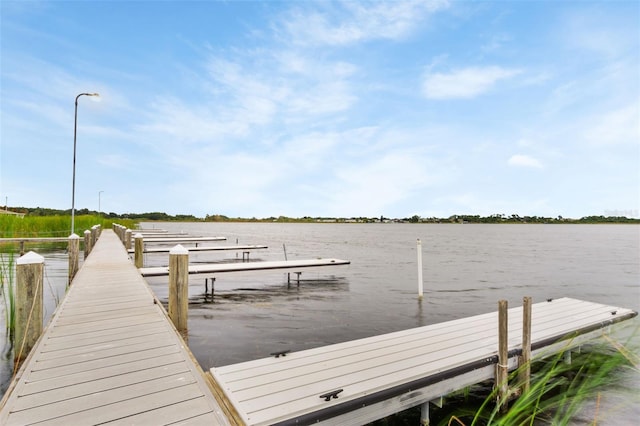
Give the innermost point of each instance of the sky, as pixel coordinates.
(319, 108)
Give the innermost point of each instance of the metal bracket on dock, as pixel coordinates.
(281, 353)
(206, 288)
(333, 394)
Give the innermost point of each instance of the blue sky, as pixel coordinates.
(259, 109)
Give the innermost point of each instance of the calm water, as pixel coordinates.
(466, 268)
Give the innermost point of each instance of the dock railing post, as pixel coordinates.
(524, 368)
(502, 369)
(138, 256)
(29, 280)
(179, 288)
(127, 238)
(87, 243)
(94, 235)
(74, 255)
(420, 283)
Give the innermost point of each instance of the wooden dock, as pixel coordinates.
(110, 355)
(208, 248)
(356, 382)
(212, 268)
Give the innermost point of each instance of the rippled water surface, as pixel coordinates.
(466, 269)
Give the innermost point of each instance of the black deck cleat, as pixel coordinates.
(333, 394)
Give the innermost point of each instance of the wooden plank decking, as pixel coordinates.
(110, 355)
(380, 375)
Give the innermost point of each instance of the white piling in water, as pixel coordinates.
(420, 283)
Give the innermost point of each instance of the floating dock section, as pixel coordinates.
(212, 268)
(356, 382)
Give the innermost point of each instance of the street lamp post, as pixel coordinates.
(73, 185)
(99, 210)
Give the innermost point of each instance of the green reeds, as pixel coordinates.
(53, 226)
(560, 389)
(558, 394)
(7, 279)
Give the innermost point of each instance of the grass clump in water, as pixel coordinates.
(7, 292)
(559, 391)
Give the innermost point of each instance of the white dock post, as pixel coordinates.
(420, 283)
(179, 288)
(138, 256)
(29, 279)
(74, 254)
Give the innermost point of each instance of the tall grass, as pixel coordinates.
(559, 391)
(7, 278)
(53, 226)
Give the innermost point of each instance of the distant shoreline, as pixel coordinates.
(460, 219)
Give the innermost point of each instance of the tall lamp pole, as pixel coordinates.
(99, 210)
(73, 185)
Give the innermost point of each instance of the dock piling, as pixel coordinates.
(74, 254)
(29, 279)
(502, 368)
(525, 359)
(138, 256)
(179, 288)
(420, 283)
(87, 243)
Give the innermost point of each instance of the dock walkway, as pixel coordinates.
(110, 355)
(356, 382)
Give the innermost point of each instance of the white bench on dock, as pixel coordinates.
(356, 382)
(110, 355)
(212, 268)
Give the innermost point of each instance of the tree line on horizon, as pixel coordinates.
(161, 216)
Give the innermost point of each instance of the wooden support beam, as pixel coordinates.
(138, 257)
(179, 288)
(29, 279)
(74, 255)
(502, 369)
(525, 359)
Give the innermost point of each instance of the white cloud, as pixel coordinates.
(520, 160)
(350, 22)
(464, 83)
(616, 127)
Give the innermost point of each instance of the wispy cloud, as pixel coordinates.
(521, 160)
(464, 83)
(350, 22)
(620, 126)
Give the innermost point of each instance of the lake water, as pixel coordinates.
(466, 269)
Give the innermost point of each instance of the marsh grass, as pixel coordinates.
(53, 226)
(7, 290)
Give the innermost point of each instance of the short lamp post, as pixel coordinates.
(99, 209)
(73, 185)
